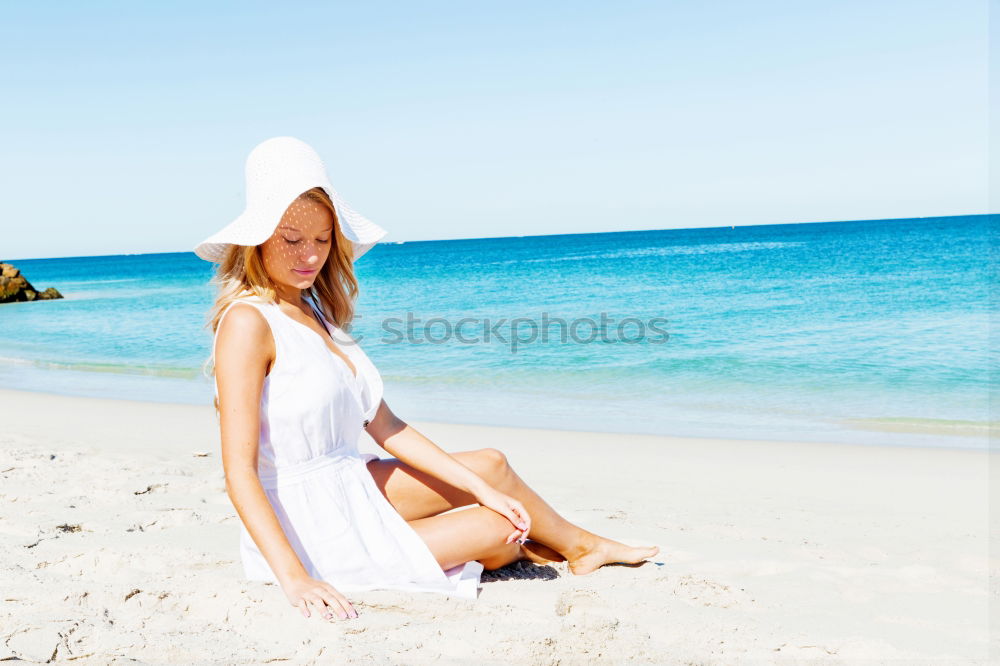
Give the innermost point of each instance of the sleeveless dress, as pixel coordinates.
(312, 413)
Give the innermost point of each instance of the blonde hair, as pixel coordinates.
(241, 272)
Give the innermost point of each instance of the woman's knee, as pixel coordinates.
(494, 551)
(489, 463)
(494, 461)
(500, 553)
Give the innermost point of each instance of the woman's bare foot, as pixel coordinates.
(539, 553)
(597, 551)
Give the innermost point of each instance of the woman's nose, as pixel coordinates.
(310, 253)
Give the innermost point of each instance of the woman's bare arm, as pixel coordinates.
(244, 348)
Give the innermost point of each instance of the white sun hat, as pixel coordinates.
(277, 172)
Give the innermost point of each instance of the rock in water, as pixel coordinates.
(15, 287)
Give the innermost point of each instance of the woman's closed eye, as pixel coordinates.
(299, 240)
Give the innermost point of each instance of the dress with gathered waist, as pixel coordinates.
(313, 410)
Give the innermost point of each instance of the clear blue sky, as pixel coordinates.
(127, 124)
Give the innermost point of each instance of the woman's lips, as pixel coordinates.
(304, 273)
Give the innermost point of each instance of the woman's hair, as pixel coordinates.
(241, 272)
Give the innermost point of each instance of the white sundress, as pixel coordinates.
(312, 413)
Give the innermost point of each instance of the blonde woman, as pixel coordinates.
(294, 392)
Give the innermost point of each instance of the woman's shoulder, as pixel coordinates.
(244, 329)
(248, 308)
(243, 343)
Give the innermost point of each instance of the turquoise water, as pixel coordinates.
(841, 331)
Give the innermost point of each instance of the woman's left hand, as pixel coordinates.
(508, 507)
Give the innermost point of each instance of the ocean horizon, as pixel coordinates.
(855, 332)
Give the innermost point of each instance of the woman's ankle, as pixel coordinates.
(585, 543)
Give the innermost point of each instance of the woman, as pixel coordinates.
(294, 392)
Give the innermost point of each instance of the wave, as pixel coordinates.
(74, 283)
(951, 427)
(176, 372)
(673, 250)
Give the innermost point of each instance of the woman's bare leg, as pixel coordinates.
(483, 532)
(584, 550)
(417, 495)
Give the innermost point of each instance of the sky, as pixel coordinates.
(127, 124)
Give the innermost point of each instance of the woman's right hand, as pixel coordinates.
(309, 594)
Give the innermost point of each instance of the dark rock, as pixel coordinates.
(14, 287)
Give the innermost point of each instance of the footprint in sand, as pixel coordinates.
(587, 626)
(580, 599)
(705, 592)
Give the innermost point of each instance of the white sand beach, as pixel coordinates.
(119, 545)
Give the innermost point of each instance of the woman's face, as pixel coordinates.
(298, 248)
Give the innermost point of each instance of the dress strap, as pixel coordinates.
(316, 313)
(358, 364)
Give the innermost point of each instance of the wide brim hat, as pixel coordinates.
(278, 170)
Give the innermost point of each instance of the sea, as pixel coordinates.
(871, 332)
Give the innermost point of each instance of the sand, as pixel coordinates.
(119, 544)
